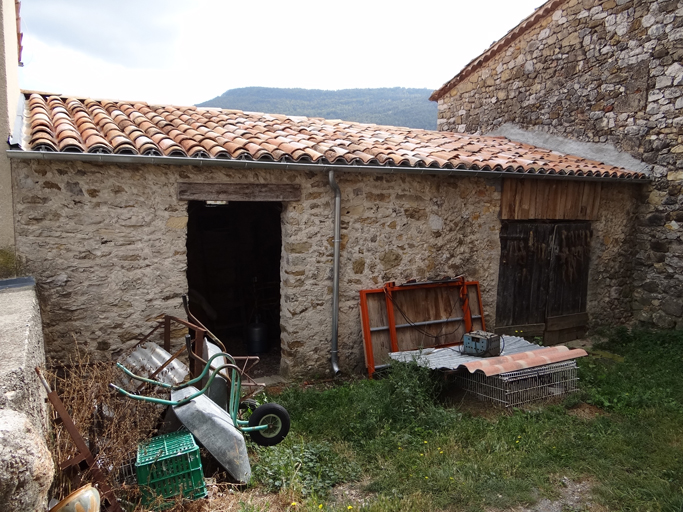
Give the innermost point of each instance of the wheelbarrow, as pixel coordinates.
(219, 430)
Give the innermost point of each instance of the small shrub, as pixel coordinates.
(359, 412)
(306, 468)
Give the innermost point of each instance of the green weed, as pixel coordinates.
(416, 454)
(309, 468)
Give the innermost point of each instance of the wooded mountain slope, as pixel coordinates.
(390, 106)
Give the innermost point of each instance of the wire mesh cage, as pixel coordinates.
(513, 389)
(126, 474)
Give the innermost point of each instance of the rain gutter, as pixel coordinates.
(99, 158)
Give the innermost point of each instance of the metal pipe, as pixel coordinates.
(426, 322)
(295, 166)
(334, 360)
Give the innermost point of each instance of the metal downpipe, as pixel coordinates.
(335, 280)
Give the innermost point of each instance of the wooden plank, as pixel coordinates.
(539, 268)
(530, 199)
(518, 200)
(413, 305)
(557, 323)
(571, 208)
(475, 308)
(552, 193)
(507, 210)
(542, 199)
(524, 331)
(377, 317)
(585, 201)
(595, 209)
(367, 335)
(527, 189)
(523, 275)
(561, 200)
(533, 193)
(569, 269)
(238, 192)
(563, 336)
(502, 306)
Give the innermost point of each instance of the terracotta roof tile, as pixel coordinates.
(520, 360)
(57, 123)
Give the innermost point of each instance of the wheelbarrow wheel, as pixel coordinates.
(277, 419)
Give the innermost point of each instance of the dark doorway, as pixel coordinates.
(233, 274)
(543, 279)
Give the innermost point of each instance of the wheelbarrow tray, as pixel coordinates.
(214, 429)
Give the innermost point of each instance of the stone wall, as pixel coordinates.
(400, 227)
(21, 342)
(601, 71)
(26, 467)
(107, 246)
(610, 283)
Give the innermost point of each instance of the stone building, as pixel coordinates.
(119, 208)
(601, 79)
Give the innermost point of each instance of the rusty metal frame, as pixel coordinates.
(390, 289)
(84, 459)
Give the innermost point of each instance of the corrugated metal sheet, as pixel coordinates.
(518, 354)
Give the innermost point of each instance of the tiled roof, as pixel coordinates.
(70, 125)
(497, 47)
(518, 354)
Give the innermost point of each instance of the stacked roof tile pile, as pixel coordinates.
(55, 123)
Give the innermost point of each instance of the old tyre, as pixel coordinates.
(277, 419)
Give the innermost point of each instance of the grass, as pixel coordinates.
(406, 451)
(391, 444)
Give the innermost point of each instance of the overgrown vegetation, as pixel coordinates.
(307, 468)
(9, 264)
(623, 433)
(111, 426)
(391, 445)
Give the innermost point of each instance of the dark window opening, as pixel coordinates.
(233, 274)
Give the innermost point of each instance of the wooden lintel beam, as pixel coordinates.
(278, 192)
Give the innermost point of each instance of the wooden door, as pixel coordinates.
(543, 280)
(566, 317)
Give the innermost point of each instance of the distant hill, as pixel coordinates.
(391, 106)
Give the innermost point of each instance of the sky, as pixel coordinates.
(183, 52)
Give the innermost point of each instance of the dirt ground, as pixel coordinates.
(576, 497)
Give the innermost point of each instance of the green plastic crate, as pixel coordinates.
(169, 466)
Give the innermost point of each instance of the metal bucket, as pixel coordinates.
(85, 499)
(257, 339)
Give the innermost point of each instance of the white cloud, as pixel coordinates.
(187, 52)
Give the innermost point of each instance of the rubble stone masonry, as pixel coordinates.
(602, 71)
(107, 247)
